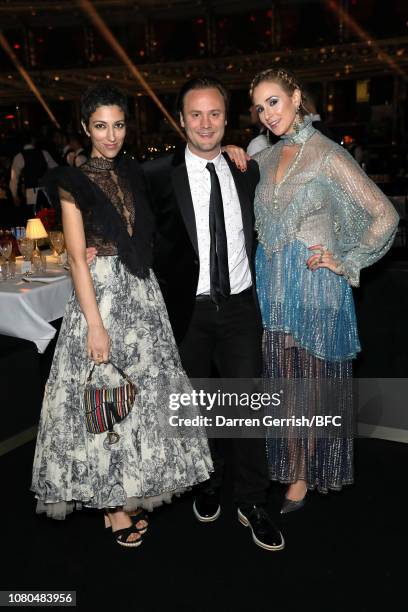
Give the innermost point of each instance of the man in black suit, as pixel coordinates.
(204, 262)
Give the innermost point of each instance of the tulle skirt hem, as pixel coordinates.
(60, 510)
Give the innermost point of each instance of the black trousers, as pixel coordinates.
(228, 338)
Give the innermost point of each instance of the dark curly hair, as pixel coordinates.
(102, 94)
(204, 82)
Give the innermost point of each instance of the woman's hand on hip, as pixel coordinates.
(238, 156)
(91, 253)
(98, 344)
(322, 259)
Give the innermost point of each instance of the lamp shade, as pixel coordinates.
(35, 229)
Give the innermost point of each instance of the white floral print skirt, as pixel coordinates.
(149, 464)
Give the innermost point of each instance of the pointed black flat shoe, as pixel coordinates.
(290, 505)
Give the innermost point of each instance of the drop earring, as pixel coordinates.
(296, 123)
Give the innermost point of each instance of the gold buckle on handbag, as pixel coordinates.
(111, 438)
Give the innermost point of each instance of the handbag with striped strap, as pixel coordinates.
(106, 406)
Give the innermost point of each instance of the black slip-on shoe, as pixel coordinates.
(264, 533)
(206, 506)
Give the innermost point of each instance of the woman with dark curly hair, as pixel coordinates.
(115, 316)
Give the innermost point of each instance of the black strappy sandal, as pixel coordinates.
(121, 535)
(140, 516)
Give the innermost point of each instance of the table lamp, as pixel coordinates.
(34, 231)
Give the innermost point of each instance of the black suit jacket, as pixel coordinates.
(176, 261)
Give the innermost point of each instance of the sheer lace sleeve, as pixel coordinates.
(365, 220)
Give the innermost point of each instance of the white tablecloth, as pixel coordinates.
(26, 309)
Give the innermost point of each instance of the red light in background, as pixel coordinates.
(17, 46)
(269, 13)
(200, 21)
(10, 117)
(252, 18)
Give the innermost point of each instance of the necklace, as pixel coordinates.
(101, 163)
(290, 169)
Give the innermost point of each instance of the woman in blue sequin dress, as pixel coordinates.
(319, 219)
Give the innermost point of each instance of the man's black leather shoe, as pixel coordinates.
(264, 532)
(206, 506)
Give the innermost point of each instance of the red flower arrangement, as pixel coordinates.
(48, 218)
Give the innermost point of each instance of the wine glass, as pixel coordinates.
(58, 243)
(51, 235)
(5, 252)
(26, 247)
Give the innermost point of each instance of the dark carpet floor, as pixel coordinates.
(344, 551)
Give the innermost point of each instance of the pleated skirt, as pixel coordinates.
(149, 464)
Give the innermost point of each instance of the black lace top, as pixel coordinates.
(116, 188)
(112, 198)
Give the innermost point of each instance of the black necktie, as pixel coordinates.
(219, 272)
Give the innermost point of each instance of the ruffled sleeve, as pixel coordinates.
(66, 179)
(365, 220)
(66, 183)
(66, 196)
(100, 217)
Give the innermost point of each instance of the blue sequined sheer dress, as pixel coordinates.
(310, 331)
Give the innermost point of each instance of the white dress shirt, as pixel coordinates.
(259, 143)
(200, 187)
(16, 170)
